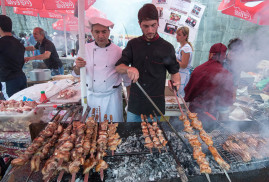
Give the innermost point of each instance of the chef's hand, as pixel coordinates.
(175, 84)
(80, 62)
(27, 59)
(133, 74)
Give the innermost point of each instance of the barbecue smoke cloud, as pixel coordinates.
(254, 49)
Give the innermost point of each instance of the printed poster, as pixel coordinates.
(176, 13)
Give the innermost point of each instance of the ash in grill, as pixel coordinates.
(146, 167)
(131, 144)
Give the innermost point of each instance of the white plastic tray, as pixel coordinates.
(13, 121)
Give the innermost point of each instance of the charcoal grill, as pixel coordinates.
(139, 157)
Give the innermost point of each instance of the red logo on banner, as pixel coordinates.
(65, 5)
(243, 14)
(27, 3)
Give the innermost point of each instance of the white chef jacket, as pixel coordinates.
(101, 77)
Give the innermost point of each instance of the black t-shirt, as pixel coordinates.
(53, 62)
(152, 59)
(11, 58)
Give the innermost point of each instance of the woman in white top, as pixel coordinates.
(184, 57)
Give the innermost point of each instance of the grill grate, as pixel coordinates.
(234, 159)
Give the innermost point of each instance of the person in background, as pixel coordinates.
(112, 38)
(120, 41)
(88, 38)
(209, 90)
(12, 77)
(184, 57)
(28, 53)
(48, 52)
(231, 63)
(77, 44)
(14, 35)
(103, 82)
(149, 57)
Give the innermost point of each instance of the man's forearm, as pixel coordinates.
(30, 48)
(122, 68)
(39, 57)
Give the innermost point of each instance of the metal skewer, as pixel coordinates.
(175, 93)
(227, 175)
(184, 103)
(207, 176)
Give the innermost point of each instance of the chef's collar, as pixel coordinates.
(108, 44)
(155, 38)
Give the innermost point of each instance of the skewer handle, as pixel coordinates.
(93, 111)
(151, 117)
(102, 174)
(86, 177)
(142, 117)
(208, 178)
(146, 118)
(73, 177)
(60, 176)
(111, 119)
(105, 117)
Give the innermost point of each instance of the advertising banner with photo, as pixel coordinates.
(177, 13)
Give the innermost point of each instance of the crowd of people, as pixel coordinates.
(145, 59)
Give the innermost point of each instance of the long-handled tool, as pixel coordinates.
(160, 112)
(175, 93)
(180, 169)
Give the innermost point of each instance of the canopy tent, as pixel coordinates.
(48, 4)
(259, 13)
(42, 13)
(71, 24)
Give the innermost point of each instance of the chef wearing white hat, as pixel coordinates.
(103, 83)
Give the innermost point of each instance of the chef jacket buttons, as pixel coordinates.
(94, 80)
(86, 85)
(104, 81)
(94, 65)
(106, 65)
(148, 43)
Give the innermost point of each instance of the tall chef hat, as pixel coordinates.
(102, 21)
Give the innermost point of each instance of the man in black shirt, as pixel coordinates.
(11, 60)
(48, 52)
(150, 57)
